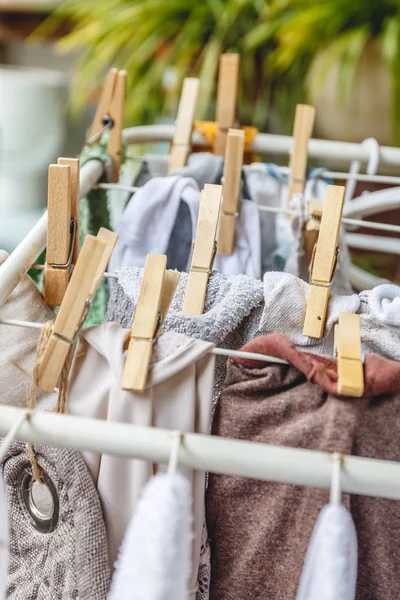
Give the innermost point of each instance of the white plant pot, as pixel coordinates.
(32, 128)
(368, 109)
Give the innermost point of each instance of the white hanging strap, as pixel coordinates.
(174, 456)
(272, 209)
(336, 490)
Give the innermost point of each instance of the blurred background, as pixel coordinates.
(343, 56)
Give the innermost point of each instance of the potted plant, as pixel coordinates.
(163, 41)
(347, 54)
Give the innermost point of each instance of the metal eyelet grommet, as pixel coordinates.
(41, 501)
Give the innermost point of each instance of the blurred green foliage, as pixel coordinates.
(278, 41)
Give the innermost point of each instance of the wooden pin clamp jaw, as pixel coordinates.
(348, 351)
(324, 262)
(227, 93)
(110, 115)
(302, 130)
(85, 279)
(181, 144)
(61, 231)
(156, 293)
(312, 226)
(231, 189)
(204, 250)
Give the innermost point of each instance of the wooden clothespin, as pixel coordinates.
(231, 191)
(324, 262)
(349, 359)
(204, 250)
(227, 94)
(61, 234)
(181, 143)
(156, 293)
(73, 164)
(302, 130)
(311, 229)
(85, 279)
(110, 115)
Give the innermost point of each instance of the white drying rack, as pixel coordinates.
(365, 476)
(25, 254)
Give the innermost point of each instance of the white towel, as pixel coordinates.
(154, 560)
(330, 567)
(384, 304)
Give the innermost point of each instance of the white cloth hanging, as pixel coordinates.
(330, 567)
(154, 559)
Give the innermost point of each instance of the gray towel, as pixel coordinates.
(231, 317)
(204, 167)
(71, 561)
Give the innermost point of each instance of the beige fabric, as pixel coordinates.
(179, 397)
(18, 344)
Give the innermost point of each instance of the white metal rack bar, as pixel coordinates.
(279, 144)
(266, 462)
(32, 245)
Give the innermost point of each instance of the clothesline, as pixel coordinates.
(322, 173)
(216, 351)
(345, 220)
(364, 476)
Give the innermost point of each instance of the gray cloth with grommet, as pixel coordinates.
(58, 545)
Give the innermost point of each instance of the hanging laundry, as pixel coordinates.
(266, 185)
(4, 540)
(231, 316)
(58, 546)
(148, 220)
(154, 558)
(18, 348)
(246, 257)
(259, 531)
(178, 397)
(284, 311)
(153, 165)
(298, 263)
(384, 303)
(330, 567)
(204, 167)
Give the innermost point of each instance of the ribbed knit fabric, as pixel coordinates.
(260, 530)
(284, 311)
